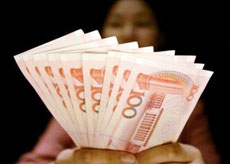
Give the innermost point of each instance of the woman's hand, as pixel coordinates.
(170, 153)
(167, 153)
(95, 156)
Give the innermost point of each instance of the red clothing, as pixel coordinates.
(55, 139)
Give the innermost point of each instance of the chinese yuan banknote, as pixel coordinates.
(114, 96)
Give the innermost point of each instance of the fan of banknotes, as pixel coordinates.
(114, 96)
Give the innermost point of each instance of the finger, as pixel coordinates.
(175, 152)
(66, 156)
(98, 156)
(52, 163)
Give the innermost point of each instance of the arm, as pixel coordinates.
(52, 141)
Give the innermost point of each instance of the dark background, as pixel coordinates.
(190, 28)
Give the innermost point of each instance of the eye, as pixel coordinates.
(143, 23)
(115, 24)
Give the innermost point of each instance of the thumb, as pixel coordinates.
(66, 156)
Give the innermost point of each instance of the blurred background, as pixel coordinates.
(189, 28)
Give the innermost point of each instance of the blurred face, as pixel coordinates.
(132, 20)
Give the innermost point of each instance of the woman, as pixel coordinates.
(130, 20)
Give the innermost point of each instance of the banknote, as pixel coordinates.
(114, 96)
(94, 66)
(90, 44)
(113, 60)
(93, 75)
(46, 86)
(102, 48)
(56, 72)
(154, 97)
(120, 76)
(72, 70)
(30, 65)
(49, 103)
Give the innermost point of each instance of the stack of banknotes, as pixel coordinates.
(114, 96)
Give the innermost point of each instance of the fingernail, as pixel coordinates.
(65, 155)
(128, 159)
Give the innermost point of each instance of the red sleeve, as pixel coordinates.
(53, 141)
(197, 133)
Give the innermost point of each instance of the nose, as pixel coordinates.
(128, 33)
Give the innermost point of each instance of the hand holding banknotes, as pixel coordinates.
(95, 156)
(119, 97)
(167, 153)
